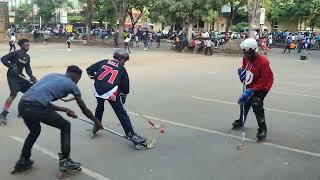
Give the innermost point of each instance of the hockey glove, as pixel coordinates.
(242, 74)
(246, 95)
(33, 79)
(123, 98)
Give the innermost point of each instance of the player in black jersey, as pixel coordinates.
(17, 61)
(111, 83)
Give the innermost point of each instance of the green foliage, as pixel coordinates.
(168, 11)
(73, 19)
(23, 14)
(294, 10)
(104, 11)
(239, 26)
(48, 7)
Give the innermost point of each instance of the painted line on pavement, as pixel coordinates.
(230, 135)
(54, 156)
(295, 94)
(269, 109)
(298, 84)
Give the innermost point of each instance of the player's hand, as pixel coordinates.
(70, 113)
(33, 79)
(98, 124)
(246, 95)
(113, 98)
(123, 98)
(242, 74)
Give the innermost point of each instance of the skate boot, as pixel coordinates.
(22, 165)
(3, 118)
(68, 167)
(237, 124)
(137, 140)
(261, 135)
(94, 131)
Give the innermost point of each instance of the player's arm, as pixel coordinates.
(6, 60)
(29, 72)
(124, 85)
(87, 111)
(92, 70)
(124, 82)
(68, 111)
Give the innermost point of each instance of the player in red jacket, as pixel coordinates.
(257, 76)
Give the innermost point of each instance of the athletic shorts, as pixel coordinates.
(18, 85)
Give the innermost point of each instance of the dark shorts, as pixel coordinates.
(18, 85)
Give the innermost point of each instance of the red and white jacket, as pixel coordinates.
(259, 75)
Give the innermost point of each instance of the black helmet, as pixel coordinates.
(120, 55)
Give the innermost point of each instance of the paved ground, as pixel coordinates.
(194, 96)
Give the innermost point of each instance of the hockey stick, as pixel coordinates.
(243, 134)
(148, 145)
(24, 78)
(156, 126)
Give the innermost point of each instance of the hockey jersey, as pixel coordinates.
(259, 75)
(110, 78)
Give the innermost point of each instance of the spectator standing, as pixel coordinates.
(208, 44)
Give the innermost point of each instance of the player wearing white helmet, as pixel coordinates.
(257, 77)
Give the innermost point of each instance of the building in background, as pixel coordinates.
(4, 16)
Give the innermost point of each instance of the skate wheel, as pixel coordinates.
(240, 147)
(138, 146)
(61, 175)
(151, 144)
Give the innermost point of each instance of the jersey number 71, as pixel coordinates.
(106, 71)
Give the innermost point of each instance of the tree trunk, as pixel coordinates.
(88, 11)
(133, 21)
(121, 9)
(253, 16)
(189, 30)
(230, 19)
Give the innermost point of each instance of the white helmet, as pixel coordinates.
(248, 44)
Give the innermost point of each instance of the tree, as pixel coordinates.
(121, 9)
(190, 11)
(296, 10)
(48, 7)
(305, 12)
(88, 6)
(209, 16)
(104, 11)
(253, 15)
(234, 6)
(239, 26)
(23, 14)
(140, 5)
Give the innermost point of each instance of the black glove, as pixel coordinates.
(33, 79)
(123, 98)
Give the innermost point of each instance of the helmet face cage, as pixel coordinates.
(250, 54)
(249, 48)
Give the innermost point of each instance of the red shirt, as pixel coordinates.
(259, 75)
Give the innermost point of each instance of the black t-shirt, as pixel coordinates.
(18, 59)
(109, 74)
